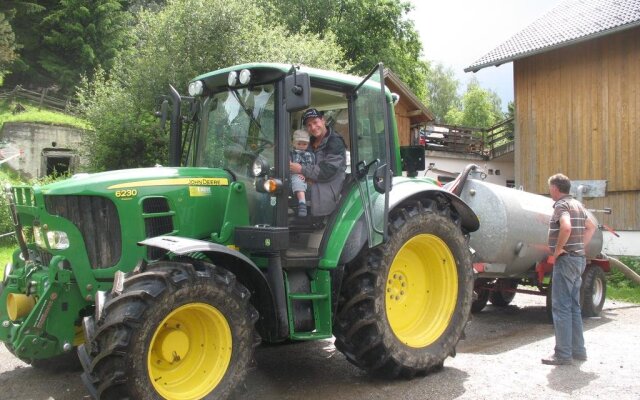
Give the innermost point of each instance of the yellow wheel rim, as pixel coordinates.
(190, 352)
(421, 290)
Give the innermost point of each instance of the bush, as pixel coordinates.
(618, 280)
(8, 176)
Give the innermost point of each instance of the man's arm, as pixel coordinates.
(563, 234)
(589, 229)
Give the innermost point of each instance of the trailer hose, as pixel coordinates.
(626, 271)
(456, 186)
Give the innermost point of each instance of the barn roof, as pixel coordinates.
(572, 21)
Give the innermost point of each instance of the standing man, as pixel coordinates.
(570, 230)
(326, 176)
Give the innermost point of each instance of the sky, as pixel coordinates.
(456, 33)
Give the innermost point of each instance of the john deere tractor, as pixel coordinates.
(165, 279)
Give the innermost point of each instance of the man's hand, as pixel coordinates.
(295, 168)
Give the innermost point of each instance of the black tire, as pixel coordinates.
(504, 292)
(177, 330)
(391, 329)
(481, 298)
(593, 291)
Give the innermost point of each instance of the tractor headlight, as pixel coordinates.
(260, 167)
(232, 78)
(245, 76)
(196, 88)
(58, 240)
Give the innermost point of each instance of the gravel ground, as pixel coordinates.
(500, 359)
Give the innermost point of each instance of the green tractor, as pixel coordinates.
(165, 279)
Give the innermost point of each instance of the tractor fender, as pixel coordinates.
(405, 188)
(245, 270)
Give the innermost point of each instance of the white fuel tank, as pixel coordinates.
(513, 230)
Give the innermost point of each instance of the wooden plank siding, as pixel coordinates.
(403, 121)
(578, 112)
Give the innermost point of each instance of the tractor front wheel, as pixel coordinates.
(176, 331)
(404, 304)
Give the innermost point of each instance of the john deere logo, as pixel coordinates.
(267, 242)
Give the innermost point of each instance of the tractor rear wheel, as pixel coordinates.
(593, 291)
(504, 292)
(404, 304)
(176, 331)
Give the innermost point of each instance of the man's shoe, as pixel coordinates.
(580, 357)
(553, 360)
(302, 209)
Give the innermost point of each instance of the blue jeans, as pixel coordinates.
(565, 300)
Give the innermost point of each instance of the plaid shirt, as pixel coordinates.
(577, 214)
(302, 157)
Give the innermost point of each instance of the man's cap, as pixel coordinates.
(310, 113)
(300, 135)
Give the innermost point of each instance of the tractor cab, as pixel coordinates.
(242, 121)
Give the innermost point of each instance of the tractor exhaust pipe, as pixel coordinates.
(626, 271)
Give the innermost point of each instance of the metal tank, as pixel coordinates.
(513, 228)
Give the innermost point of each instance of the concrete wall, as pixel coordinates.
(36, 142)
(498, 172)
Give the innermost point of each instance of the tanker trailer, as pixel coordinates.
(511, 250)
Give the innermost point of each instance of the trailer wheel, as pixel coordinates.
(593, 291)
(481, 296)
(177, 331)
(504, 292)
(404, 304)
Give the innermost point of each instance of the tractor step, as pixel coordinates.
(308, 296)
(320, 297)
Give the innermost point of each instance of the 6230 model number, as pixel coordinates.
(124, 193)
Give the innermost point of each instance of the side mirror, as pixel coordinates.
(382, 179)
(297, 91)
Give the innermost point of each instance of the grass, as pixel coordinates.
(5, 256)
(32, 114)
(628, 294)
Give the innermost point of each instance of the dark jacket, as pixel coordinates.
(327, 175)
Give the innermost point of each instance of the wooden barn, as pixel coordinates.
(410, 112)
(576, 74)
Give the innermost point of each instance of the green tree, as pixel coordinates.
(480, 107)
(186, 38)
(26, 18)
(442, 91)
(80, 36)
(369, 31)
(7, 45)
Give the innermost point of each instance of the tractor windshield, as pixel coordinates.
(239, 126)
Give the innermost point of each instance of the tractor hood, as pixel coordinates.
(112, 181)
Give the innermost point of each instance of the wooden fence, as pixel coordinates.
(41, 98)
(486, 142)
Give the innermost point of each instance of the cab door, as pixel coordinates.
(371, 153)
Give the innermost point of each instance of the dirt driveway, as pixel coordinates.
(500, 359)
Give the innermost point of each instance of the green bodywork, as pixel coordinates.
(106, 215)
